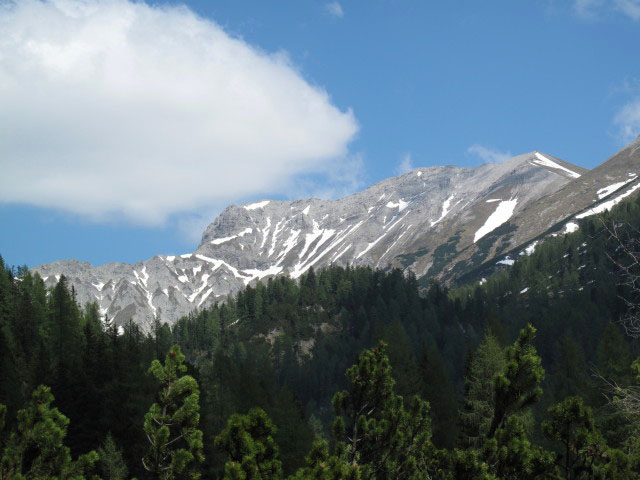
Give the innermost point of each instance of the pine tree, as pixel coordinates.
(36, 449)
(518, 385)
(248, 442)
(573, 426)
(321, 465)
(512, 456)
(171, 424)
(373, 427)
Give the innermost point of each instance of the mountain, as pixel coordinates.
(592, 193)
(436, 222)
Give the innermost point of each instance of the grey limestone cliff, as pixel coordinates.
(429, 221)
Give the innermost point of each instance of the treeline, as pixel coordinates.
(283, 346)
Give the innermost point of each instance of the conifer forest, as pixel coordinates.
(530, 373)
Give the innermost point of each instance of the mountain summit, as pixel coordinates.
(437, 222)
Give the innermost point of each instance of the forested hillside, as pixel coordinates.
(507, 366)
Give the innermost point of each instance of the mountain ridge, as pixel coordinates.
(436, 222)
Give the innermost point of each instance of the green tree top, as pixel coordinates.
(372, 426)
(518, 385)
(248, 441)
(36, 449)
(573, 426)
(171, 424)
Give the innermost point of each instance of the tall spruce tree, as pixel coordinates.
(112, 463)
(477, 411)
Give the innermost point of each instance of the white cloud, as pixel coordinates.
(335, 9)
(487, 154)
(405, 165)
(628, 121)
(112, 109)
(630, 8)
(591, 9)
(586, 8)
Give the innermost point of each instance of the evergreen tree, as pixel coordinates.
(171, 424)
(512, 456)
(438, 390)
(478, 406)
(572, 425)
(111, 461)
(518, 385)
(373, 427)
(321, 465)
(36, 449)
(613, 355)
(248, 442)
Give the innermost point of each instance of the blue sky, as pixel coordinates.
(390, 84)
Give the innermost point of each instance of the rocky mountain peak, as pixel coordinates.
(436, 221)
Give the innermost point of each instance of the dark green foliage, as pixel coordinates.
(323, 466)
(478, 407)
(248, 443)
(3, 413)
(373, 427)
(284, 346)
(512, 455)
(613, 355)
(500, 447)
(582, 447)
(111, 461)
(171, 424)
(438, 391)
(518, 385)
(36, 448)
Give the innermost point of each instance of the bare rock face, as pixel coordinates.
(437, 222)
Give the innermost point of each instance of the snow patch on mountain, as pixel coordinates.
(544, 161)
(501, 215)
(401, 205)
(530, 249)
(445, 210)
(608, 205)
(257, 205)
(289, 244)
(606, 191)
(339, 254)
(571, 227)
(254, 273)
(265, 233)
(219, 241)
